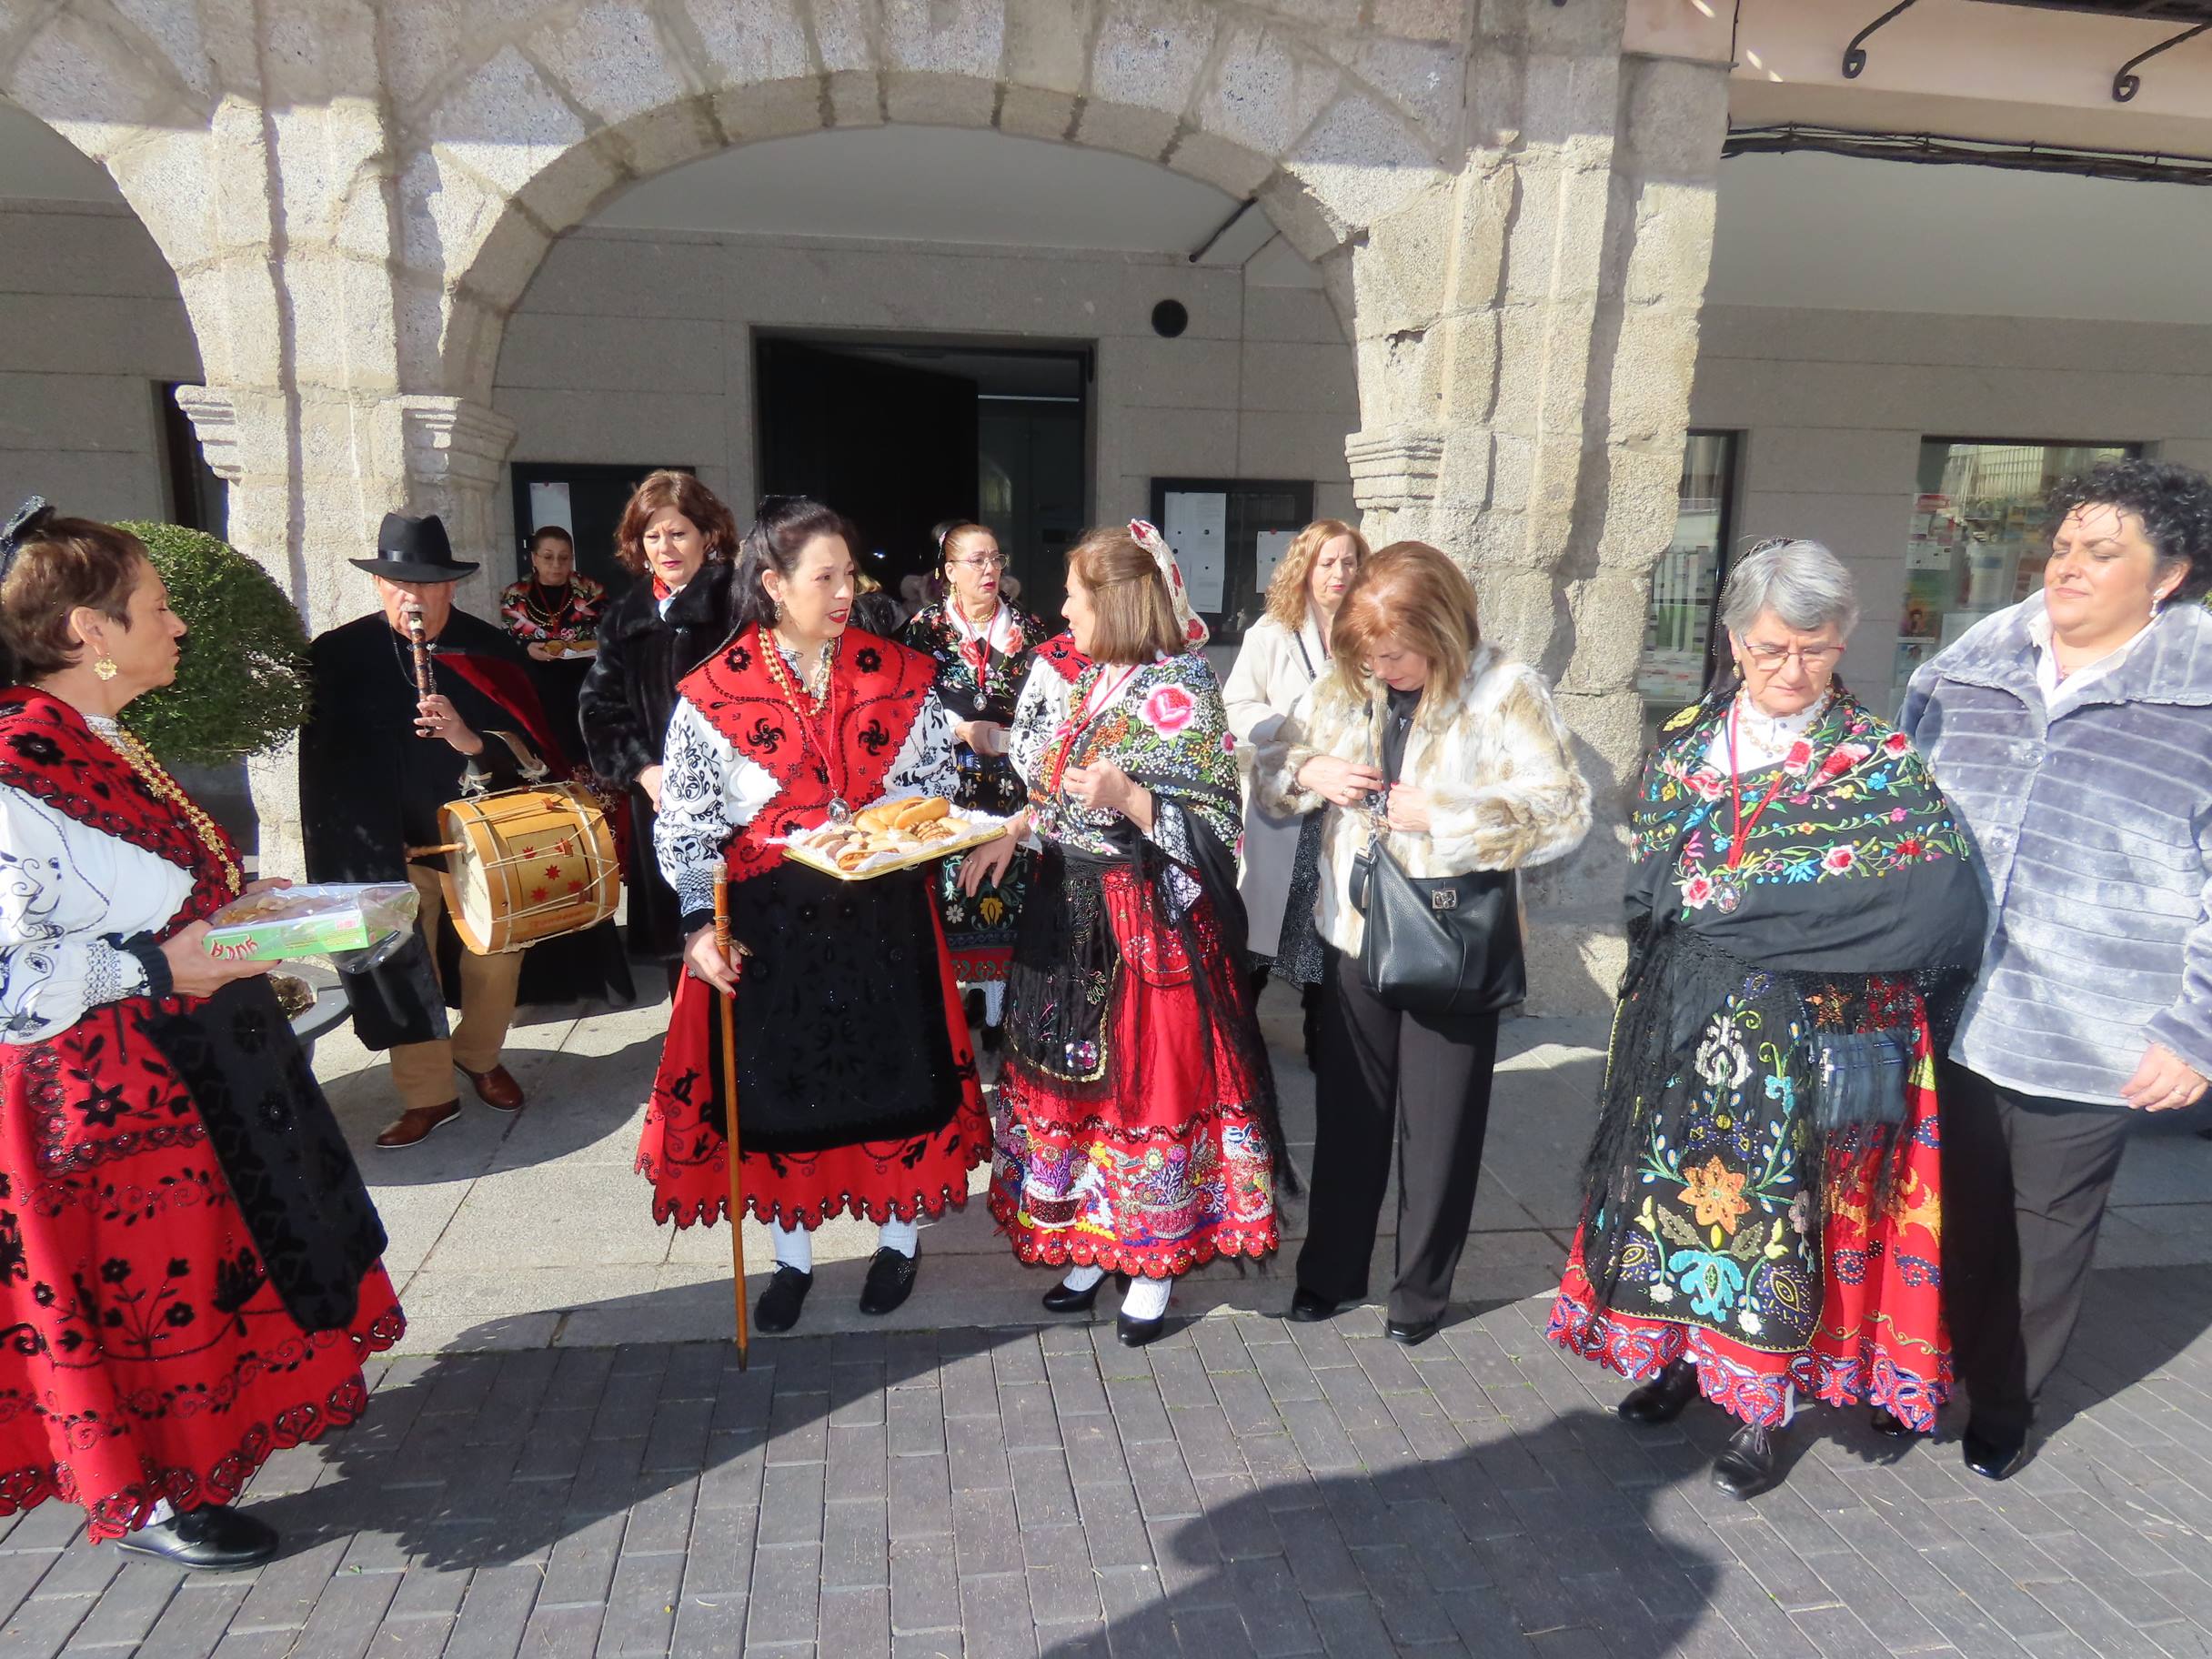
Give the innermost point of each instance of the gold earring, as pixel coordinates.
(105, 668)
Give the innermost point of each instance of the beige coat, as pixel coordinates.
(1495, 758)
(1273, 680)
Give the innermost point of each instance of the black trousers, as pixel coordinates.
(2025, 1182)
(1393, 1085)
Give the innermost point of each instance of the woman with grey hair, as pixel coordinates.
(1762, 1202)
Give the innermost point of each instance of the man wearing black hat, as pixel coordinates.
(376, 763)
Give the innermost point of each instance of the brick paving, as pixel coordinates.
(1241, 1490)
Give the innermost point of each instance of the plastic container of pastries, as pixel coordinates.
(892, 835)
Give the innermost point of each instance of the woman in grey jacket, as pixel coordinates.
(2074, 733)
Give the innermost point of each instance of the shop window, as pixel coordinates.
(1679, 632)
(1978, 539)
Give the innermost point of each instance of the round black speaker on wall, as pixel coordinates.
(1170, 319)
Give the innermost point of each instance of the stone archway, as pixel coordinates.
(1512, 213)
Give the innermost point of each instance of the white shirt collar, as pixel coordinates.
(2068, 689)
(1762, 740)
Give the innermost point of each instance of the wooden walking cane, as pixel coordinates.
(728, 1002)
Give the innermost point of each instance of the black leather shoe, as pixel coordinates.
(1663, 1398)
(1412, 1335)
(1993, 1460)
(1748, 1465)
(1310, 1307)
(891, 1281)
(214, 1538)
(780, 1304)
(1886, 1422)
(1136, 1332)
(1059, 1299)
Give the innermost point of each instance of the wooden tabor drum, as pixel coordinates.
(529, 864)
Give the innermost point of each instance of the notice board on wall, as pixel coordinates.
(1218, 528)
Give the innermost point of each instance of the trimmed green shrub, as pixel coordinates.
(242, 686)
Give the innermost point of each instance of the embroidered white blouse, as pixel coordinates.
(67, 892)
(711, 790)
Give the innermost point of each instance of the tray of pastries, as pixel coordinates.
(892, 834)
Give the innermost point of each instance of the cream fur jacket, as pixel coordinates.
(1495, 758)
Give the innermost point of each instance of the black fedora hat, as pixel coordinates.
(414, 551)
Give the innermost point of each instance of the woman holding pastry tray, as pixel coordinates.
(1141, 1131)
(856, 1087)
(189, 1272)
(984, 646)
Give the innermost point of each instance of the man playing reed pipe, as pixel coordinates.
(415, 705)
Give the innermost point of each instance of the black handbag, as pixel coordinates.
(1447, 946)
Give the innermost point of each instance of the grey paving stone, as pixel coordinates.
(1025, 1409)
(985, 1534)
(925, 1586)
(1113, 1526)
(856, 1621)
(915, 1421)
(856, 1544)
(976, 1448)
(495, 1612)
(791, 1496)
(995, 1622)
(1044, 1492)
(1062, 1581)
(787, 1590)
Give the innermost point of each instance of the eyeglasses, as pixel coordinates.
(981, 561)
(1768, 658)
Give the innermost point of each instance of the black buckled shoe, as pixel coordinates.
(891, 1281)
(1663, 1398)
(1993, 1459)
(214, 1538)
(1310, 1307)
(1750, 1463)
(779, 1305)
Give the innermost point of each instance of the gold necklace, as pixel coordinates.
(165, 788)
(818, 678)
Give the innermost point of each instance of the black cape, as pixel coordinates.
(369, 788)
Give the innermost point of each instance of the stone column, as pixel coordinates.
(1527, 338)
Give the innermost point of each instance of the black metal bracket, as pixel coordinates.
(1855, 55)
(2127, 83)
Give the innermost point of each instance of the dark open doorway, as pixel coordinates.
(903, 435)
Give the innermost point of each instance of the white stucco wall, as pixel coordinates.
(90, 323)
(637, 346)
(1831, 405)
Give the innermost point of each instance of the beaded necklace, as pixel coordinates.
(164, 788)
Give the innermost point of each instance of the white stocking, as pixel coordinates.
(1147, 1298)
(1080, 1279)
(994, 1000)
(794, 1246)
(900, 1236)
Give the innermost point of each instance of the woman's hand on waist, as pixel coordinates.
(1343, 783)
(2163, 1083)
(195, 973)
(650, 781)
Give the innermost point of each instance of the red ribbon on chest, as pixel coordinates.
(876, 694)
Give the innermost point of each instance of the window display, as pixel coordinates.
(1686, 581)
(1978, 540)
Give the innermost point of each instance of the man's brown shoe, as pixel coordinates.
(416, 1122)
(496, 1088)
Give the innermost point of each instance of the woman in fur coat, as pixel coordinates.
(1462, 755)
